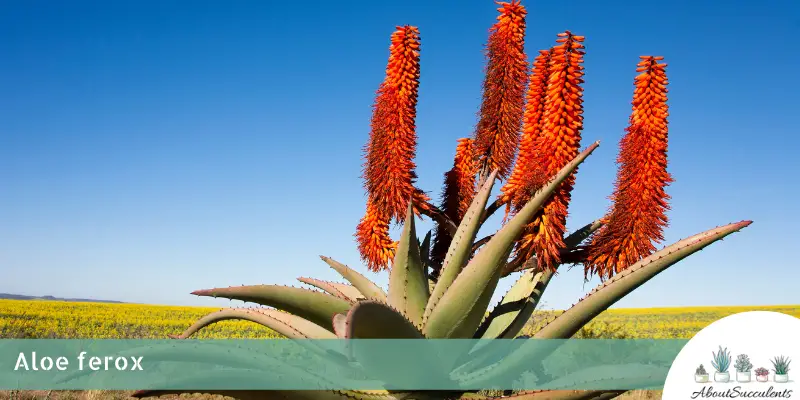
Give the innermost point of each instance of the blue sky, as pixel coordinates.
(151, 148)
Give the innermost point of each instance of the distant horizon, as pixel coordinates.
(111, 302)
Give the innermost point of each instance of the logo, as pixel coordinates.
(746, 355)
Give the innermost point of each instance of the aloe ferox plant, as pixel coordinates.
(528, 137)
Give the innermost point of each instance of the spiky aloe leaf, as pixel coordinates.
(285, 324)
(284, 394)
(568, 323)
(203, 352)
(462, 307)
(461, 246)
(316, 307)
(612, 290)
(375, 320)
(576, 238)
(340, 290)
(425, 252)
(408, 281)
(508, 318)
(571, 242)
(370, 319)
(368, 288)
(562, 395)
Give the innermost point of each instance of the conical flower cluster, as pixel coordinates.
(638, 215)
(389, 170)
(497, 132)
(374, 243)
(517, 189)
(457, 195)
(556, 145)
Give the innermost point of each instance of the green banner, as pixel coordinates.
(363, 364)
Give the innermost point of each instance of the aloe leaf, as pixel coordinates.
(285, 324)
(340, 290)
(461, 245)
(602, 297)
(273, 394)
(462, 307)
(408, 282)
(561, 395)
(210, 353)
(314, 306)
(292, 394)
(375, 320)
(508, 318)
(370, 319)
(368, 288)
(425, 252)
(572, 241)
(576, 238)
(612, 290)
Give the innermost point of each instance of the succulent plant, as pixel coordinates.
(781, 365)
(721, 359)
(743, 363)
(701, 370)
(441, 287)
(761, 371)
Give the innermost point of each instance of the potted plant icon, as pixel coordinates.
(700, 374)
(721, 362)
(743, 367)
(781, 369)
(762, 374)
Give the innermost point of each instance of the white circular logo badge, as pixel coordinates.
(750, 355)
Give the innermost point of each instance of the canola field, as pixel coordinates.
(59, 319)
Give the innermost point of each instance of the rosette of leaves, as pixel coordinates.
(743, 363)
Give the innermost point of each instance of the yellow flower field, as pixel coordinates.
(59, 319)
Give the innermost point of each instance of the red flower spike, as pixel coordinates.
(638, 215)
(389, 168)
(497, 132)
(457, 195)
(556, 145)
(374, 243)
(517, 190)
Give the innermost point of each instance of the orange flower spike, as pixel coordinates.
(374, 243)
(516, 191)
(497, 132)
(638, 215)
(389, 169)
(457, 195)
(556, 145)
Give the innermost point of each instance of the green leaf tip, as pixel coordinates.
(317, 307)
(612, 290)
(463, 305)
(408, 281)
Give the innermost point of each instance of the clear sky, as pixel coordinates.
(151, 148)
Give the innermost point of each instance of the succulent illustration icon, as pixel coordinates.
(762, 374)
(781, 369)
(743, 367)
(721, 361)
(700, 374)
